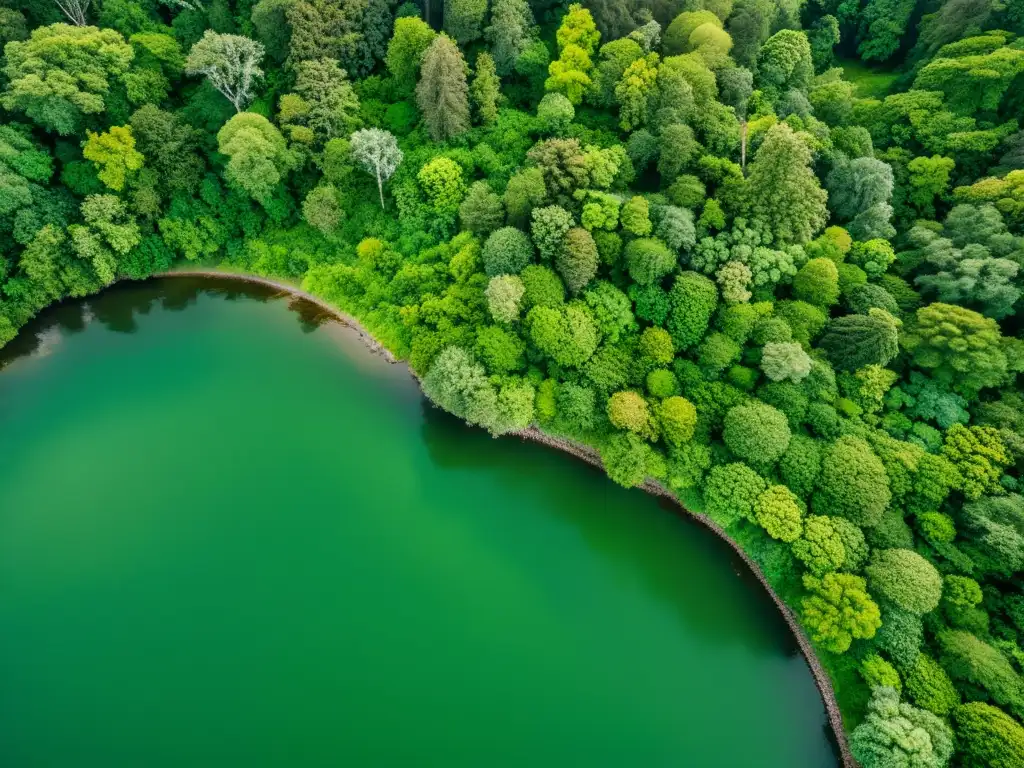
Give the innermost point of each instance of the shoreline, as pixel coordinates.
(589, 455)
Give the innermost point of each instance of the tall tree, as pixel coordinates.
(464, 19)
(442, 93)
(378, 153)
(486, 89)
(509, 32)
(333, 107)
(782, 191)
(231, 63)
(409, 42)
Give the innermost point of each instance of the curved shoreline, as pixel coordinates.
(589, 455)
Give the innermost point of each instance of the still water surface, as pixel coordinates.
(230, 536)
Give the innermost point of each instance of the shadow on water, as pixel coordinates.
(605, 516)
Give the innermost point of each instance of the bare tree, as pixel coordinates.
(75, 10)
(230, 62)
(378, 153)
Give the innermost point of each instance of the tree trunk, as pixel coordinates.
(380, 189)
(743, 147)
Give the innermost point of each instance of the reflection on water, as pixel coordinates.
(122, 304)
(604, 517)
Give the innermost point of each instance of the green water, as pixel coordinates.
(232, 537)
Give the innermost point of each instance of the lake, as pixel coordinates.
(231, 536)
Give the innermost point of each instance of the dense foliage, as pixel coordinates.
(704, 237)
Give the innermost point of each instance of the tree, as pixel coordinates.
(693, 300)
(731, 491)
(114, 154)
(555, 114)
(817, 282)
(757, 433)
(635, 217)
(63, 73)
(636, 92)
(509, 33)
(960, 347)
(482, 211)
(576, 261)
(820, 548)
(410, 41)
(777, 510)
(270, 23)
(505, 297)
(838, 609)
(930, 687)
(678, 420)
(259, 156)
(895, 733)
(170, 148)
(442, 93)
(568, 74)
(459, 384)
(859, 192)
(784, 63)
(853, 483)
(855, 341)
(501, 351)
(333, 108)
(486, 89)
(578, 28)
(322, 208)
(442, 184)
(994, 524)
(506, 252)
(905, 579)
(928, 179)
(782, 191)
(612, 311)
(231, 64)
(677, 38)
(464, 19)
(628, 410)
(973, 661)
(785, 361)
(566, 334)
(612, 61)
(648, 260)
(629, 459)
(823, 36)
(988, 737)
(378, 153)
(549, 228)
